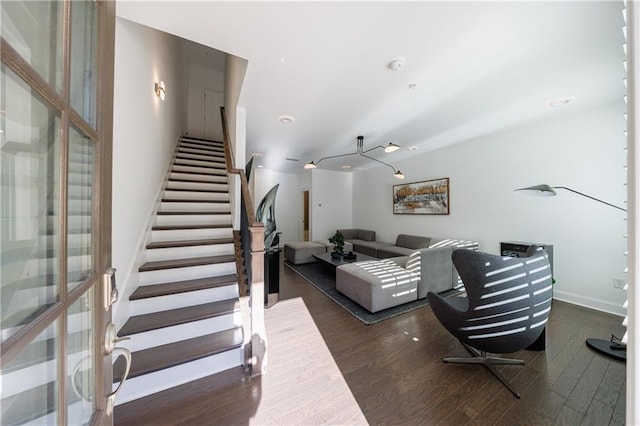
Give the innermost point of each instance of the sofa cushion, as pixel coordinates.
(388, 251)
(412, 241)
(358, 234)
(348, 247)
(370, 248)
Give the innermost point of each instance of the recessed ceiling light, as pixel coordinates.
(561, 101)
(346, 166)
(260, 166)
(411, 148)
(397, 64)
(286, 119)
(413, 85)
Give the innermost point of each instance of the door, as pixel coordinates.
(56, 91)
(305, 215)
(213, 100)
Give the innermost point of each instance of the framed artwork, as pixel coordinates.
(427, 197)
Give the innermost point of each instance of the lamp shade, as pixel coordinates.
(398, 175)
(542, 190)
(310, 165)
(391, 147)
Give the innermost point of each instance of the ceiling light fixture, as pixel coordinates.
(392, 147)
(360, 151)
(286, 119)
(159, 89)
(397, 64)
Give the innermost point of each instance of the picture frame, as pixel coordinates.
(429, 197)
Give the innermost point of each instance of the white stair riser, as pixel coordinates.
(191, 234)
(76, 222)
(196, 195)
(203, 170)
(194, 207)
(25, 297)
(204, 178)
(210, 219)
(182, 300)
(210, 186)
(35, 267)
(176, 333)
(183, 274)
(148, 384)
(35, 375)
(74, 240)
(188, 252)
(200, 156)
(74, 415)
(79, 205)
(200, 163)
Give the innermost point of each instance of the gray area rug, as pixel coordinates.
(323, 278)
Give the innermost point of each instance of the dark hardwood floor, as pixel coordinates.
(395, 375)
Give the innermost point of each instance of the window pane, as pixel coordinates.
(34, 30)
(29, 383)
(84, 34)
(29, 204)
(80, 208)
(80, 364)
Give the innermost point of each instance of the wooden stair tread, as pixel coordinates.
(192, 138)
(179, 227)
(192, 200)
(196, 180)
(160, 357)
(216, 166)
(157, 320)
(189, 243)
(185, 263)
(164, 289)
(215, 191)
(192, 213)
(131, 412)
(205, 172)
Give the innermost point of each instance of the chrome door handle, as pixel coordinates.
(110, 341)
(111, 398)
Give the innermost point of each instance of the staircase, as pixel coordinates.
(185, 319)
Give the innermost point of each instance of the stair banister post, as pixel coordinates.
(255, 336)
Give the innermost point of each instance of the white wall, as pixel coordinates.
(145, 132)
(583, 151)
(287, 200)
(331, 202)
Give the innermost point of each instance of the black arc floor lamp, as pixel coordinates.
(613, 348)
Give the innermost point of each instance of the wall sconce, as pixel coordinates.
(159, 89)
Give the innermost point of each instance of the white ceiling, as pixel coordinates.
(479, 67)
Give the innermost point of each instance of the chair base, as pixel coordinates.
(489, 362)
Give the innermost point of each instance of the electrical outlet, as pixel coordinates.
(619, 282)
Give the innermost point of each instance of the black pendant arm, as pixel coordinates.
(381, 162)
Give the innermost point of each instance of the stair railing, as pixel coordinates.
(251, 293)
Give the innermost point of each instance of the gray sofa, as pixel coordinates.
(437, 274)
(364, 241)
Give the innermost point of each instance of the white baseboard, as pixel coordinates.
(589, 302)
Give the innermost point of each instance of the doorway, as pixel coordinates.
(56, 81)
(212, 126)
(305, 215)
